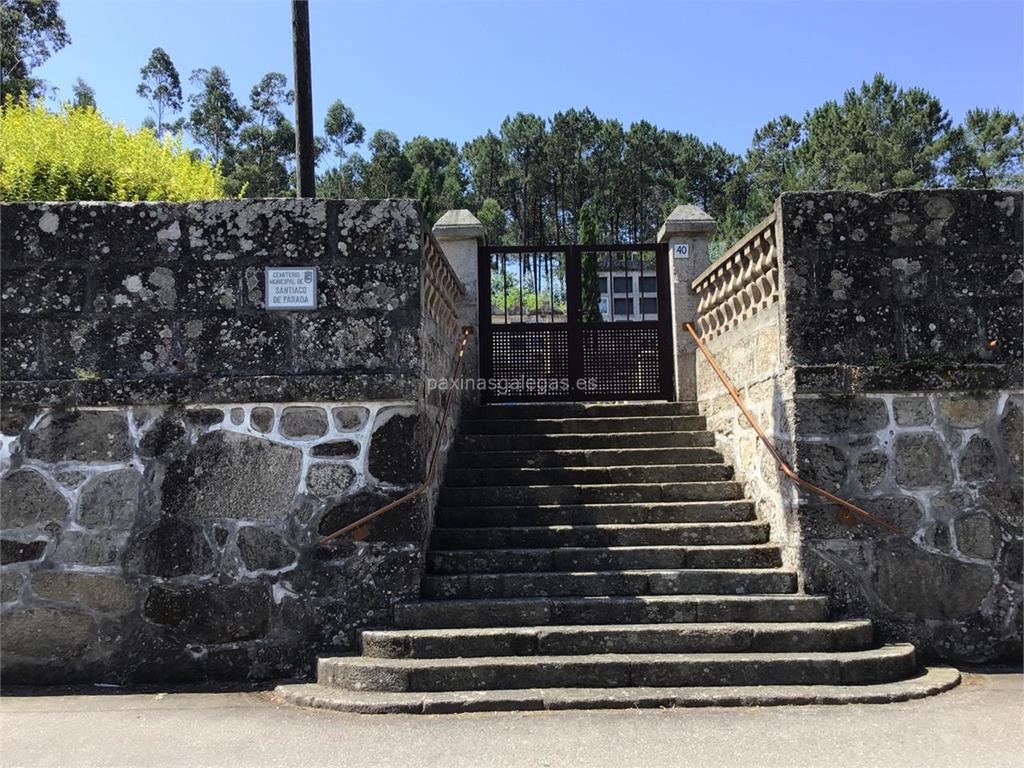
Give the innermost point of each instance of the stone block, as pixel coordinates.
(168, 548)
(965, 410)
(11, 585)
(840, 415)
(210, 613)
(871, 468)
(43, 290)
(327, 480)
(262, 549)
(132, 287)
(1011, 434)
(20, 352)
(926, 585)
(228, 475)
(350, 418)
(79, 436)
(111, 347)
(921, 461)
(336, 449)
(107, 594)
(822, 464)
(395, 454)
(85, 548)
(207, 289)
(15, 419)
(31, 501)
(12, 551)
(111, 500)
(56, 634)
(978, 460)
(238, 345)
(977, 535)
(270, 230)
(163, 436)
(912, 411)
(303, 423)
(331, 344)
(262, 419)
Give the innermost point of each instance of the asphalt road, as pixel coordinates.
(978, 724)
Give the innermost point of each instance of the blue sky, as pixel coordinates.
(719, 70)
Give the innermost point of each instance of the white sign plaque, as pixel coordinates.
(681, 250)
(291, 287)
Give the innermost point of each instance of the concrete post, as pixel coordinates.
(687, 230)
(459, 233)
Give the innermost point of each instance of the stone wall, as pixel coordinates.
(161, 521)
(897, 384)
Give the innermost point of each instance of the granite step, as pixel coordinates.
(640, 609)
(861, 667)
(610, 424)
(601, 558)
(648, 534)
(600, 639)
(930, 682)
(694, 581)
(584, 440)
(659, 473)
(581, 410)
(597, 514)
(598, 457)
(619, 493)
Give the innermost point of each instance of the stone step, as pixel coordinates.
(597, 639)
(643, 609)
(865, 667)
(930, 682)
(584, 440)
(597, 514)
(512, 426)
(661, 473)
(617, 493)
(695, 581)
(582, 410)
(606, 558)
(649, 534)
(601, 457)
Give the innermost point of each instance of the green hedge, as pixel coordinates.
(76, 154)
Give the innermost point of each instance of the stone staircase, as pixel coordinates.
(598, 556)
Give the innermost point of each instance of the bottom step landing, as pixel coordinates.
(931, 681)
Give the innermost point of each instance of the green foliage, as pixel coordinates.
(30, 32)
(82, 95)
(987, 150)
(216, 115)
(880, 137)
(589, 234)
(160, 86)
(259, 164)
(75, 154)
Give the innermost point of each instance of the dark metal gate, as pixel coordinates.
(575, 322)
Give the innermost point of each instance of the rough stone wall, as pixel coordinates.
(899, 387)
(162, 522)
(751, 356)
(106, 303)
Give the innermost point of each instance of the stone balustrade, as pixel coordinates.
(741, 283)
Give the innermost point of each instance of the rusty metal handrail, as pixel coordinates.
(848, 509)
(360, 525)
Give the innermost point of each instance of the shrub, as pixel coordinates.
(76, 154)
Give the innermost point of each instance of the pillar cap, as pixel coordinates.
(684, 220)
(459, 225)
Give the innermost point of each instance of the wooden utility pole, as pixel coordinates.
(304, 172)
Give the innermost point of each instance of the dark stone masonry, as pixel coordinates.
(172, 452)
(889, 371)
